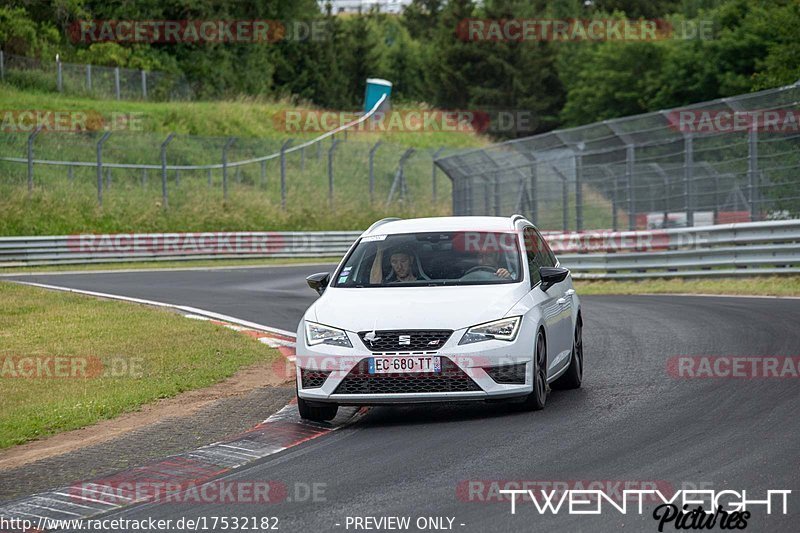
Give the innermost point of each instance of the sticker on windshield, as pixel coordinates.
(374, 238)
(343, 279)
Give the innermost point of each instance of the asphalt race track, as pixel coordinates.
(632, 421)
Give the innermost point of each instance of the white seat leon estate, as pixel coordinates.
(440, 310)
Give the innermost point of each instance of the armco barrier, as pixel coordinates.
(722, 250)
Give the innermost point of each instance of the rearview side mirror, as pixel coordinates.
(552, 275)
(319, 281)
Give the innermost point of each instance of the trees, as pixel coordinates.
(753, 45)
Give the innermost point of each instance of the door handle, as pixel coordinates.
(569, 292)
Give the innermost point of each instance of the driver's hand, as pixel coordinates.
(502, 273)
(376, 272)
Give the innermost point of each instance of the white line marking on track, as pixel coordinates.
(185, 308)
(162, 269)
(771, 297)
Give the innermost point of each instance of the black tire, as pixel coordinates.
(537, 399)
(316, 413)
(573, 377)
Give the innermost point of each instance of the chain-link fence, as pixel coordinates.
(729, 160)
(328, 174)
(92, 80)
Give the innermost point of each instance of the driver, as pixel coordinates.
(491, 259)
(401, 260)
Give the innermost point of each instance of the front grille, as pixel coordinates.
(313, 379)
(507, 374)
(450, 379)
(406, 340)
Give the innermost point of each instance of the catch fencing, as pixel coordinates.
(723, 161)
(748, 249)
(92, 80)
(336, 167)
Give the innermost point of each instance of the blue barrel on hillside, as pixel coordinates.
(376, 88)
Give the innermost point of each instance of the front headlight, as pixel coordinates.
(504, 329)
(319, 334)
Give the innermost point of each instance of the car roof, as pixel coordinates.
(421, 225)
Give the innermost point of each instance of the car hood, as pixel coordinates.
(365, 309)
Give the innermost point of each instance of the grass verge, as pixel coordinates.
(755, 286)
(104, 358)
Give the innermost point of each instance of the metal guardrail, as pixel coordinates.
(769, 248)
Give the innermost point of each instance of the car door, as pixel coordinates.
(557, 307)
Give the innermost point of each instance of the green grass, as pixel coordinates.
(64, 203)
(171, 354)
(243, 117)
(755, 286)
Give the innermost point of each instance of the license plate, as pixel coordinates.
(399, 365)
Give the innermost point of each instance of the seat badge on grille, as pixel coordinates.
(404, 340)
(434, 343)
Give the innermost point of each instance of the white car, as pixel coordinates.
(440, 310)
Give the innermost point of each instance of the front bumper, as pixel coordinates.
(469, 363)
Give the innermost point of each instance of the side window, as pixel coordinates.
(529, 236)
(544, 255)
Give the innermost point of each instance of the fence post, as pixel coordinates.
(116, 82)
(88, 78)
(614, 207)
(225, 148)
(564, 198)
(688, 171)
(164, 197)
(330, 172)
(70, 176)
(31, 138)
(752, 171)
(59, 77)
(284, 146)
(2, 66)
(263, 174)
(372, 171)
(399, 177)
(210, 178)
(629, 162)
(144, 84)
(433, 173)
(578, 192)
(496, 192)
(100, 143)
(534, 194)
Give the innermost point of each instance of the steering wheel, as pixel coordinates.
(480, 268)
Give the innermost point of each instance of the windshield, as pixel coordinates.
(441, 258)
